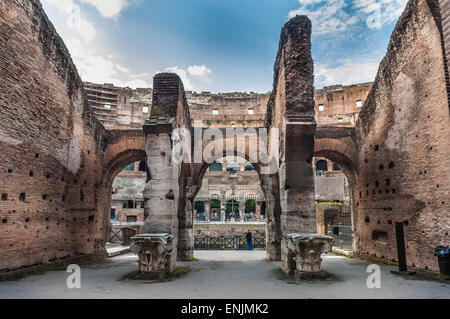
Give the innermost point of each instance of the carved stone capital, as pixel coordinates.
(307, 249)
(153, 250)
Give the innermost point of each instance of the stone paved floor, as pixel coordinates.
(223, 274)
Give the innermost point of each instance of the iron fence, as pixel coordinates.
(227, 243)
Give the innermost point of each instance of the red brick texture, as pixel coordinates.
(403, 146)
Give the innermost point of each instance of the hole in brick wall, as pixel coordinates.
(81, 195)
(27, 220)
(44, 197)
(437, 185)
(387, 191)
(367, 219)
(4, 221)
(378, 222)
(4, 197)
(394, 191)
(366, 160)
(10, 171)
(46, 219)
(63, 198)
(377, 183)
(390, 222)
(406, 223)
(377, 148)
(378, 235)
(374, 192)
(381, 167)
(48, 176)
(380, 192)
(391, 165)
(22, 197)
(36, 155)
(31, 173)
(388, 182)
(91, 219)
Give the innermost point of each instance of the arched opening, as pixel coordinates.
(143, 166)
(215, 167)
(248, 167)
(124, 207)
(215, 210)
(199, 211)
(335, 206)
(234, 196)
(250, 209)
(232, 211)
(321, 167)
(233, 167)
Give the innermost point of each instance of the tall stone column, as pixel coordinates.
(208, 210)
(291, 110)
(160, 204)
(167, 209)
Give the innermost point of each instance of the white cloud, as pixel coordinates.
(329, 16)
(380, 12)
(183, 74)
(200, 71)
(333, 16)
(348, 72)
(108, 8)
(78, 35)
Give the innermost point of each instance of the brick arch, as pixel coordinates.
(122, 148)
(341, 151)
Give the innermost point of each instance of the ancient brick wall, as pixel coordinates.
(403, 144)
(51, 146)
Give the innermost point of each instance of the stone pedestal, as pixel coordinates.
(154, 252)
(305, 250)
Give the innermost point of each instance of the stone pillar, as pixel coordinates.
(305, 250)
(208, 210)
(185, 248)
(241, 211)
(223, 210)
(258, 210)
(160, 204)
(291, 111)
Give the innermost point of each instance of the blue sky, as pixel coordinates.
(220, 46)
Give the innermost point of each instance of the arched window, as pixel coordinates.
(250, 206)
(233, 167)
(129, 168)
(249, 167)
(336, 167)
(215, 167)
(322, 165)
(142, 166)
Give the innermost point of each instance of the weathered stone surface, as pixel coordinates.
(154, 252)
(306, 249)
(403, 146)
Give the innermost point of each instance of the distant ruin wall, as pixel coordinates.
(403, 145)
(51, 146)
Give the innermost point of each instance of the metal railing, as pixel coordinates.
(227, 243)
